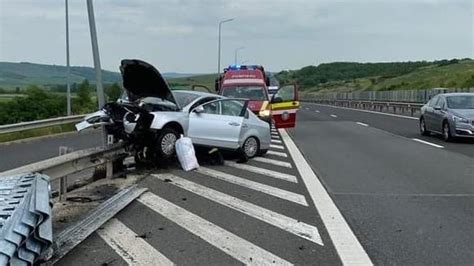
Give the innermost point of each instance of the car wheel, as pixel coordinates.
(446, 132)
(423, 130)
(165, 143)
(251, 147)
(262, 152)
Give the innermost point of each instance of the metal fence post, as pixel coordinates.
(63, 180)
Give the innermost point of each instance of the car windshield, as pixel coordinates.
(184, 98)
(460, 102)
(256, 93)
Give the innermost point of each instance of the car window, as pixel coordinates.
(202, 101)
(286, 94)
(433, 101)
(442, 103)
(224, 107)
(460, 102)
(184, 98)
(256, 93)
(211, 108)
(231, 107)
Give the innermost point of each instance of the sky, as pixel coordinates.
(182, 35)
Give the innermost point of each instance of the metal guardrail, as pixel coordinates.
(395, 107)
(40, 123)
(25, 213)
(25, 219)
(412, 96)
(62, 166)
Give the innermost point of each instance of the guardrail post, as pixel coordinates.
(63, 180)
(109, 165)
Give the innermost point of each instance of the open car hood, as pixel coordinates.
(141, 79)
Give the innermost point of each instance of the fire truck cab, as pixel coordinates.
(251, 82)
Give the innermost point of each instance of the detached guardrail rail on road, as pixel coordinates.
(25, 219)
(40, 123)
(25, 214)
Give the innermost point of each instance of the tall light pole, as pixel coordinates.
(235, 53)
(68, 69)
(98, 69)
(95, 54)
(219, 46)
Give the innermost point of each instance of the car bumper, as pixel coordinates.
(464, 131)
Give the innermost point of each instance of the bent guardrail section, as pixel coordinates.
(25, 213)
(25, 218)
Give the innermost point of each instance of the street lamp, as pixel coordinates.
(98, 69)
(219, 46)
(235, 53)
(68, 69)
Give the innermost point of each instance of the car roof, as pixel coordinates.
(198, 93)
(458, 94)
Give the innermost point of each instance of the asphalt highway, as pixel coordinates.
(373, 190)
(408, 202)
(257, 213)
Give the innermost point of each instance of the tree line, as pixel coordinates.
(312, 76)
(39, 103)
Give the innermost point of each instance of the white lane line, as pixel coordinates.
(317, 111)
(281, 154)
(263, 171)
(272, 191)
(272, 161)
(277, 137)
(362, 124)
(277, 147)
(368, 111)
(347, 246)
(428, 143)
(276, 141)
(133, 249)
(335, 116)
(224, 240)
(286, 223)
(275, 134)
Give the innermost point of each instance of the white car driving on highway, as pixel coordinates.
(152, 117)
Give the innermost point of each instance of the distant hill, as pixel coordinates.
(186, 82)
(349, 76)
(23, 74)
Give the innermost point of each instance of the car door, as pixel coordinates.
(218, 123)
(438, 114)
(429, 113)
(284, 105)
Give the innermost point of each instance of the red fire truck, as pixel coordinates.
(251, 82)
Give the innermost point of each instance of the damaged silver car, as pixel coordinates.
(151, 117)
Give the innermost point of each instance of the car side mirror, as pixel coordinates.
(199, 109)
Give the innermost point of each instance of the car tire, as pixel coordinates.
(251, 147)
(165, 143)
(423, 130)
(446, 132)
(262, 152)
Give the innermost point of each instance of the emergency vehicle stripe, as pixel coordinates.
(279, 112)
(264, 106)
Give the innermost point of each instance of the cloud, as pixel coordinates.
(179, 35)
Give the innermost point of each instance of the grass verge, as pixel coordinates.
(37, 132)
